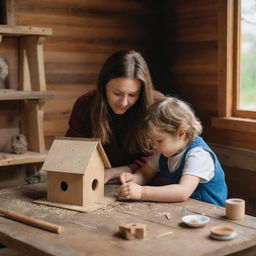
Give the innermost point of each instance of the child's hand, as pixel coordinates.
(130, 190)
(126, 177)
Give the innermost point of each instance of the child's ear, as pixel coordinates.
(181, 133)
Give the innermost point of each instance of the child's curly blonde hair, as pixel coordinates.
(171, 115)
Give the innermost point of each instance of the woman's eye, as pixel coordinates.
(117, 94)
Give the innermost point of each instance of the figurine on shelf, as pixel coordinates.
(3, 73)
(16, 145)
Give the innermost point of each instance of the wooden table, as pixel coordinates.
(96, 233)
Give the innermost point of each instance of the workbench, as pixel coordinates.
(96, 233)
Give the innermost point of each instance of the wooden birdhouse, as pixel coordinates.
(75, 171)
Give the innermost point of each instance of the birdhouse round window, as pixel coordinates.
(64, 186)
(95, 184)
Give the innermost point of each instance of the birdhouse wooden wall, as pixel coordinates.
(66, 188)
(93, 180)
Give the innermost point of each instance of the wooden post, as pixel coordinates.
(7, 14)
(24, 75)
(32, 125)
(31, 75)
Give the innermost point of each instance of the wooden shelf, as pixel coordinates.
(30, 88)
(27, 158)
(7, 30)
(24, 95)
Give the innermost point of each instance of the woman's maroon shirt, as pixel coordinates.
(80, 126)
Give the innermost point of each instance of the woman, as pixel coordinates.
(115, 111)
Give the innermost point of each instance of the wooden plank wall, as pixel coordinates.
(85, 33)
(192, 74)
(192, 56)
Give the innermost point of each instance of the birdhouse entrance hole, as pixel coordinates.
(64, 186)
(94, 184)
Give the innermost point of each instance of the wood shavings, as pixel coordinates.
(129, 207)
(164, 234)
(167, 215)
(32, 209)
(90, 227)
(107, 210)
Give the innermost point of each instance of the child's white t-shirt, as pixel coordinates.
(198, 162)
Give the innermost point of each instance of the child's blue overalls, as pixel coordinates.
(214, 191)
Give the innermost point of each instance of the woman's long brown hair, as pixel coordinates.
(126, 64)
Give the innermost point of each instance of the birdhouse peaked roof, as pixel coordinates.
(73, 155)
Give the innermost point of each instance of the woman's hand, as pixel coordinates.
(130, 190)
(107, 175)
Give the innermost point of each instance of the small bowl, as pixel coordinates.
(223, 233)
(195, 221)
(222, 230)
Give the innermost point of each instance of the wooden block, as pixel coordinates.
(140, 231)
(132, 230)
(127, 231)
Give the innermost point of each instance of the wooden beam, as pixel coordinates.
(32, 125)
(32, 63)
(7, 30)
(24, 95)
(27, 158)
(24, 75)
(8, 12)
(235, 157)
(225, 57)
(235, 124)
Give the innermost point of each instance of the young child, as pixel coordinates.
(187, 164)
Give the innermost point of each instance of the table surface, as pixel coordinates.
(96, 233)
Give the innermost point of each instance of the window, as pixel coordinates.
(247, 99)
(237, 65)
